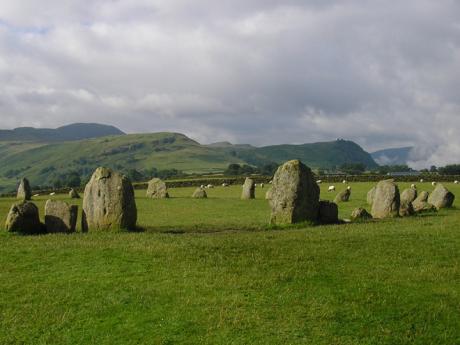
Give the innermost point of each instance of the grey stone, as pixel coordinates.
(24, 190)
(328, 212)
(108, 202)
(343, 196)
(422, 197)
(408, 195)
(73, 194)
(371, 195)
(249, 189)
(406, 209)
(360, 214)
(441, 197)
(386, 200)
(423, 206)
(199, 193)
(295, 194)
(157, 189)
(24, 218)
(60, 216)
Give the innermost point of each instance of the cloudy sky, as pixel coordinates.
(382, 73)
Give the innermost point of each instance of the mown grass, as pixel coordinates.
(208, 282)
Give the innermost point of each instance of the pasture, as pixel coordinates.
(214, 272)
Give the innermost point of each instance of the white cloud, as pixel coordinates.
(262, 72)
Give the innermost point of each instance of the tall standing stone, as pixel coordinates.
(249, 189)
(295, 194)
(24, 218)
(441, 197)
(108, 203)
(157, 189)
(386, 200)
(24, 190)
(60, 216)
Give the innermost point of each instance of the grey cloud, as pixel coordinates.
(261, 72)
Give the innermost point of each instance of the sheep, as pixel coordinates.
(344, 181)
(36, 195)
(413, 186)
(262, 185)
(433, 183)
(224, 184)
(210, 186)
(271, 181)
(319, 181)
(456, 182)
(349, 187)
(421, 180)
(202, 186)
(53, 193)
(331, 189)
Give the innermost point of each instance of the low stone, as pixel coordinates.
(73, 194)
(406, 209)
(441, 197)
(343, 196)
(60, 216)
(360, 214)
(199, 193)
(157, 189)
(422, 207)
(408, 195)
(249, 189)
(24, 218)
(328, 212)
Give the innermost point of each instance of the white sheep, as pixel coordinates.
(270, 182)
(456, 182)
(344, 181)
(224, 184)
(202, 186)
(262, 185)
(421, 180)
(349, 187)
(433, 183)
(52, 194)
(210, 186)
(331, 189)
(36, 195)
(319, 181)
(413, 186)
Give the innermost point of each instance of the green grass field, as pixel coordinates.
(213, 272)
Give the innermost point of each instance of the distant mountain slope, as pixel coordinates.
(43, 162)
(396, 156)
(76, 131)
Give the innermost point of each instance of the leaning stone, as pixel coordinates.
(24, 190)
(108, 203)
(199, 193)
(441, 197)
(157, 189)
(328, 212)
(60, 216)
(386, 200)
(24, 218)
(408, 195)
(371, 195)
(295, 194)
(406, 209)
(343, 196)
(73, 194)
(249, 189)
(422, 207)
(360, 214)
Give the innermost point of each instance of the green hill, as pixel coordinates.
(43, 162)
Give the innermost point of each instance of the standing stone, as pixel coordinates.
(60, 216)
(295, 194)
(422, 197)
(199, 193)
(386, 200)
(108, 203)
(73, 194)
(371, 195)
(249, 189)
(328, 212)
(24, 218)
(406, 209)
(24, 190)
(360, 214)
(441, 197)
(423, 206)
(157, 189)
(343, 196)
(408, 195)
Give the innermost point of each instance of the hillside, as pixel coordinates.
(43, 162)
(76, 131)
(396, 156)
